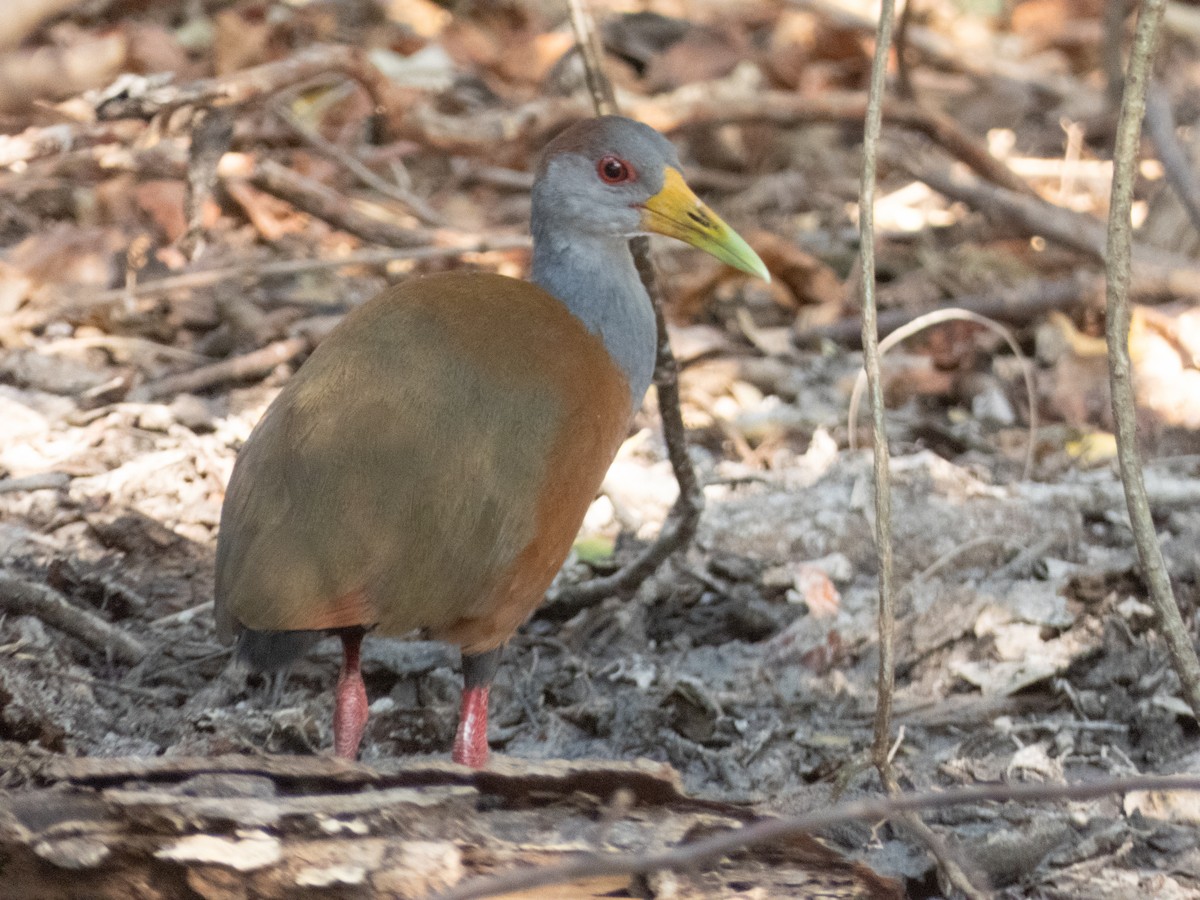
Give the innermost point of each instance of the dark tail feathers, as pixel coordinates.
(270, 651)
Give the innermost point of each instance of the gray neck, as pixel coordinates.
(595, 278)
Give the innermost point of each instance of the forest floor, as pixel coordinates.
(1026, 648)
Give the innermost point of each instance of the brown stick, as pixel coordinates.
(278, 180)
(684, 517)
(1063, 226)
(147, 100)
(200, 278)
(1078, 232)
(43, 481)
(37, 142)
(1154, 567)
(1018, 306)
(27, 598)
(331, 206)
(1160, 125)
(711, 106)
(254, 364)
(340, 155)
(881, 748)
(707, 851)
(670, 112)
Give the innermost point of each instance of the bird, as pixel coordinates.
(427, 469)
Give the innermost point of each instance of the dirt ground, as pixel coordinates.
(1026, 648)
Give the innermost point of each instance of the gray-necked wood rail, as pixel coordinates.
(429, 465)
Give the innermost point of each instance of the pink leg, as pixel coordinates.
(350, 707)
(470, 743)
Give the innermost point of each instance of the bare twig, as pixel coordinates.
(331, 206)
(870, 341)
(1129, 127)
(684, 517)
(881, 751)
(587, 39)
(937, 317)
(963, 549)
(146, 99)
(254, 364)
(707, 105)
(709, 850)
(27, 598)
(787, 109)
(37, 142)
(211, 139)
(1063, 226)
(43, 481)
(1018, 305)
(183, 617)
(904, 85)
(1160, 124)
(201, 278)
(410, 201)
(369, 221)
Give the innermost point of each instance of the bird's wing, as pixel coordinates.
(402, 476)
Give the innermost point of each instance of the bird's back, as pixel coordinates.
(428, 467)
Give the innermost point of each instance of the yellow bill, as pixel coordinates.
(677, 212)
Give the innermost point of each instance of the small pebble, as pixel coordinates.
(155, 417)
(193, 413)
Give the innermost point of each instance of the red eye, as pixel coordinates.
(615, 171)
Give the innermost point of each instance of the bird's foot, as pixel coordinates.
(470, 743)
(350, 705)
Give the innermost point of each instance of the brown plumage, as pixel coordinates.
(456, 505)
(429, 466)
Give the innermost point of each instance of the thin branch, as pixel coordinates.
(706, 105)
(881, 751)
(954, 871)
(40, 141)
(1077, 231)
(331, 151)
(1160, 124)
(331, 206)
(43, 481)
(717, 107)
(684, 517)
(1129, 127)
(870, 341)
(904, 85)
(707, 851)
(1017, 305)
(937, 317)
(212, 136)
(202, 278)
(255, 364)
(587, 39)
(27, 598)
(146, 98)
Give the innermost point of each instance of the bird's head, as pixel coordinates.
(614, 177)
